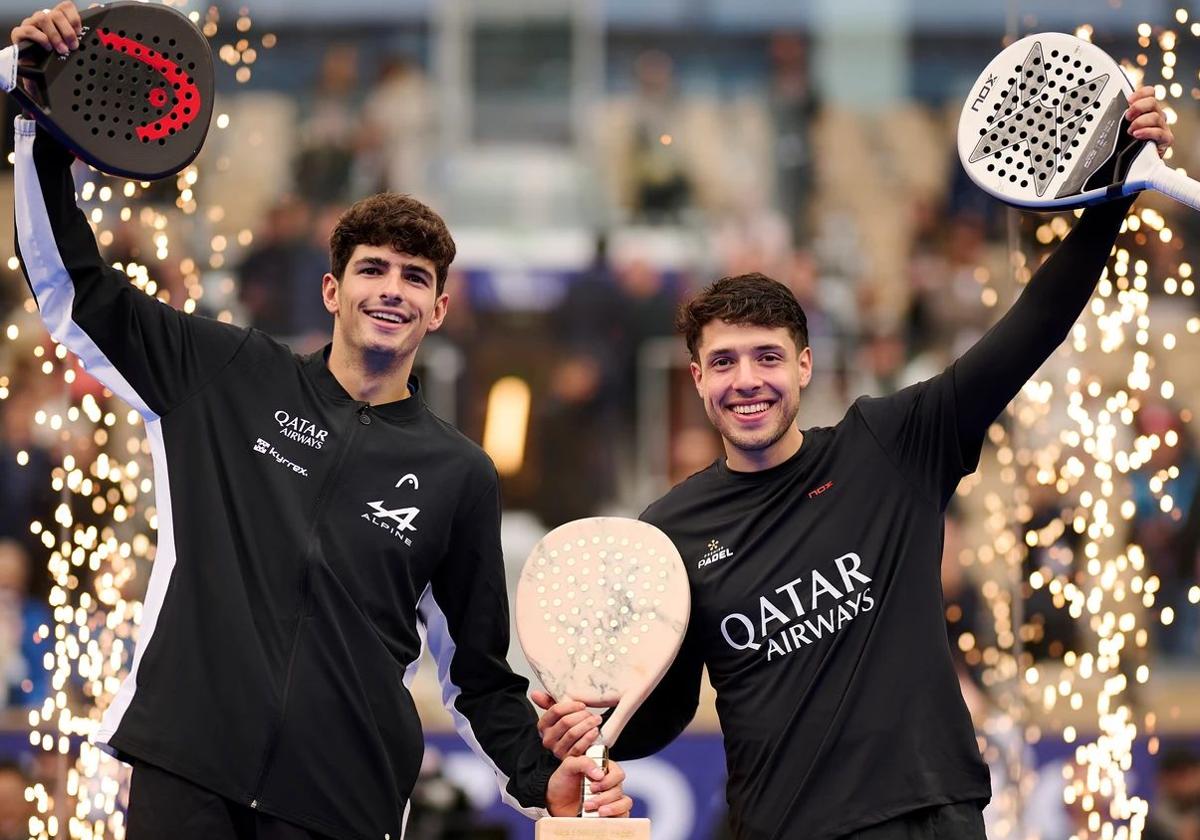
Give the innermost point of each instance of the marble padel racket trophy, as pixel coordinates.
(602, 607)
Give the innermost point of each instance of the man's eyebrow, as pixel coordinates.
(379, 262)
(383, 262)
(722, 351)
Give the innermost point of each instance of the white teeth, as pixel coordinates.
(750, 409)
(385, 316)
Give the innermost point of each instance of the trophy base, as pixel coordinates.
(591, 828)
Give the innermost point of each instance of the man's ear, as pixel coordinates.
(440, 307)
(805, 366)
(329, 290)
(697, 378)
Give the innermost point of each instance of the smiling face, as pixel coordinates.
(749, 378)
(384, 303)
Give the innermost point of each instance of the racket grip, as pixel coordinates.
(598, 753)
(1175, 184)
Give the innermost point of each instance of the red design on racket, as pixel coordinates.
(134, 99)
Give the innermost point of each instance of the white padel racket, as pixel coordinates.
(602, 608)
(1044, 127)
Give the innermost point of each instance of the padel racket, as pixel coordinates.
(1044, 127)
(134, 99)
(602, 608)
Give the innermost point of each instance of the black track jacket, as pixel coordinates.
(308, 544)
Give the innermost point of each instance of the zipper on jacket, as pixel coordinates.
(310, 548)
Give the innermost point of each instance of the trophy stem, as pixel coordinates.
(598, 753)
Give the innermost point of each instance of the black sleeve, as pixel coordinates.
(933, 431)
(147, 353)
(465, 613)
(669, 708)
(993, 371)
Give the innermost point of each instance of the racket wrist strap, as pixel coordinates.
(598, 753)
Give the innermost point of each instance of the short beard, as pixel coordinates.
(757, 445)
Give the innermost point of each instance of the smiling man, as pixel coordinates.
(813, 557)
(317, 525)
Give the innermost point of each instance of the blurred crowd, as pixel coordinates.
(898, 263)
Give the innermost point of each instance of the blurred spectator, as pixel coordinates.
(1175, 809)
(280, 276)
(647, 311)
(398, 126)
(1053, 631)
(330, 131)
(590, 315)
(25, 678)
(952, 262)
(793, 109)
(440, 810)
(662, 190)
(574, 435)
(1169, 538)
(15, 811)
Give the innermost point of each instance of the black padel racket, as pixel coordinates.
(134, 99)
(1044, 127)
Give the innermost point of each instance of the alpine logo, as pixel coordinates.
(715, 552)
(403, 517)
(396, 521)
(300, 429)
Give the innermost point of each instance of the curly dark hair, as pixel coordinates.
(745, 299)
(396, 220)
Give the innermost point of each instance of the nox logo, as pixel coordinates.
(812, 494)
(403, 517)
(983, 93)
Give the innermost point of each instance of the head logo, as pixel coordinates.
(715, 552)
(407, 479)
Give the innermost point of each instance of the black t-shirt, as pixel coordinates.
(817, 608)
(816, 596)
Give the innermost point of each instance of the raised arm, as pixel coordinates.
(994, 370)
(149, 354)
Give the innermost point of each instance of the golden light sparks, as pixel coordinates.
(98, 537)
(1118, 354)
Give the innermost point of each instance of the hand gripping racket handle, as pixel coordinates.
(1174, 183)
(598, 753)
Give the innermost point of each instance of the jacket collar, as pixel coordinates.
(316, 366)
